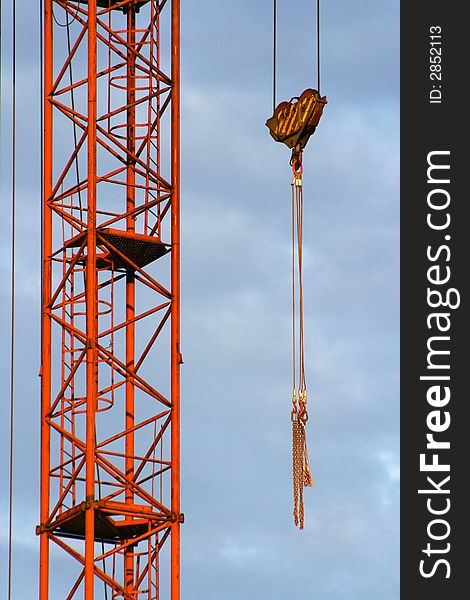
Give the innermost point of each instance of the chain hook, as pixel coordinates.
(296, 164)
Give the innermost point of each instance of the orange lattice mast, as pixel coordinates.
(110, 467)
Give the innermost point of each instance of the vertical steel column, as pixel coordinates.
(175, 305)
(47, 293)
(130, 283)
(91, 295)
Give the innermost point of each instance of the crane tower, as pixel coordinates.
(110, 461)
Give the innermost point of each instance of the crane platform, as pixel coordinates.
(71, 524)
(111, 3)
(126, 249)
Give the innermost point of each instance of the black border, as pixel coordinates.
(427, 127)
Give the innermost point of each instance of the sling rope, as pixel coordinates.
(299, 416)
(293, 123)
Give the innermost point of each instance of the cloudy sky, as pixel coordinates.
(238, 539)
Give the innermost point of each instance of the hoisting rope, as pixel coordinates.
(318, 46)
(41, 144)
(275, 48)
(293, 123)
(274, 52)
(13, 306)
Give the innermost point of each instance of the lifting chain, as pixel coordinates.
(301, 476)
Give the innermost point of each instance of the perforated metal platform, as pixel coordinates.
(72, 525)
(108, 3)
(124, 249)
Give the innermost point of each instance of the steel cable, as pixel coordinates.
(318, 21)
(1, 84)
(318, 45)
(13, 305)
(274, 51)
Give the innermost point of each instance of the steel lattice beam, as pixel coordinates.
(110, 466)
